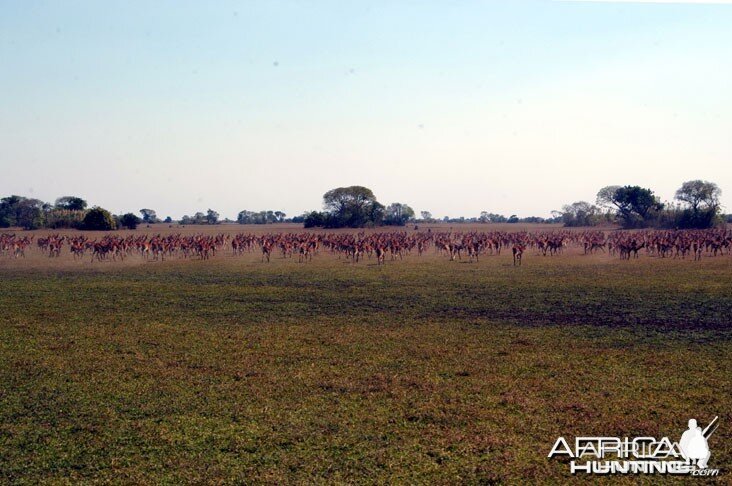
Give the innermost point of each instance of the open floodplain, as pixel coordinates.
(420, 370)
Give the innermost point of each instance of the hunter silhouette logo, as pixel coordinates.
(641, 455)
(694, 445)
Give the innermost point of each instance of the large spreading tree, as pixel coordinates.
(353, 206)
(635, 206)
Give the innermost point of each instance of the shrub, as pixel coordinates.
(65, 218)
(314, 220)
(129, 221)
(99, 219)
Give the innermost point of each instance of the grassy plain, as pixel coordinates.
(420, 371)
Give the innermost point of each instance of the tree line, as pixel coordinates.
(67, 212)
(697, 206)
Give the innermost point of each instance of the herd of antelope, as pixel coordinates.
(113, 247)
(393, 245)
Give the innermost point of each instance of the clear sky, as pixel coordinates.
(513, 107)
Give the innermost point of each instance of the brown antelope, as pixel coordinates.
(518, 252)
(380, 255)
(266, 251)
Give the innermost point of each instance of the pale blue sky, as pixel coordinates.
(452, 107)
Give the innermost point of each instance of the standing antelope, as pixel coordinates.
(518, 252)
(266, 251)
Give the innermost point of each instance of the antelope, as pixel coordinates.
(518, 251)
(266, 251)
(380, 255)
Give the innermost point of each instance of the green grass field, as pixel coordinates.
(420, 371)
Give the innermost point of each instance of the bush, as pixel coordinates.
(314, 220)
(65, 218)
(688, 218)
(533, 219)
(701, 219)
(129, 221)
(580, 213)
(99, 219)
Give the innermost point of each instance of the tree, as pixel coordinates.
(397, 214)
(486, 217)
(345, 198)
(512, 219)
(30, 214)
(699, 195)
(702, 200)
(314, 219)
(129, 221)
(245, 217)
(376, 214)
(426, 216)
(634, 205)
(212, 217)
(99, 219)
(168, 219)
(71, 203)
(533, 219)
(636, 202)
(580, 213)
(8, 211)
(261, 217)
(606, 198)
(353, 206)
(21, 211)
(149, 216)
